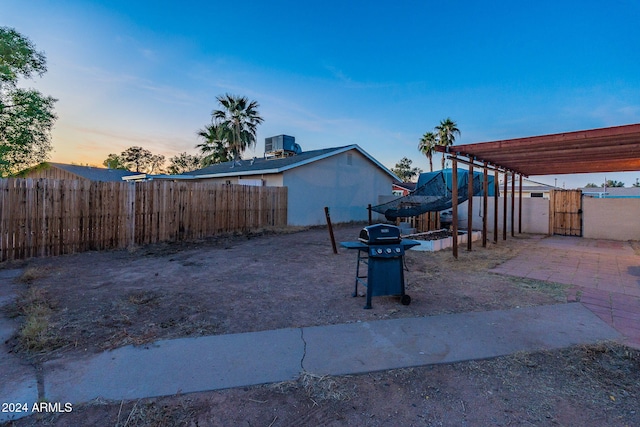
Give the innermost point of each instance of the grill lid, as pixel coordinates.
(380, 234)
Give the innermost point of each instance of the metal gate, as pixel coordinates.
(565, 212)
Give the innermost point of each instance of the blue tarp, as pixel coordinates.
(433, 193)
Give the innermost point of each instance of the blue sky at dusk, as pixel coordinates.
(332, 73)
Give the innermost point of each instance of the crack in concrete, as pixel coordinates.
(40, 381)
(304, 350)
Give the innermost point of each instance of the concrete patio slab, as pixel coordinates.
(599, 273)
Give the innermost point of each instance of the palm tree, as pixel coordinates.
(215, 148)
(447, 131)
(239, 120)
(427, 146)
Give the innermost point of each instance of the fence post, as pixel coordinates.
(333, 239)
(131, 212)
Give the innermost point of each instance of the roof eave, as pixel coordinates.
(302, 163)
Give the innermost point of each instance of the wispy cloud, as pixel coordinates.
(127, 82)
(350, 83)
(117, 141)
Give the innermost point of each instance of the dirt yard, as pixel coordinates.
(80, 304)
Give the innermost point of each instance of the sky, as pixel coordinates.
(333, 73)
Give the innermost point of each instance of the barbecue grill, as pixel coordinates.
(381, 247)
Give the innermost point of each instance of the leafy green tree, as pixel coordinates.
(215, 147)
(136, 159)
(447, 131)
(156, 165)
(427, 147)
(591, 185)
(184, 162)
(613, 183)
(113, 161)
(26, 116)
(404, 170)
(239, 120)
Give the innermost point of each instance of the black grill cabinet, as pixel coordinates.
(382, 249)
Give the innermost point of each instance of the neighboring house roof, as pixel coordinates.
(409, 186)
(536, 188)
(611, 191)
(93, 173)
(529, 185)
(261, 165)
(526, 182)
(531, 188)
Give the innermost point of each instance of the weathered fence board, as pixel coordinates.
(44, 217)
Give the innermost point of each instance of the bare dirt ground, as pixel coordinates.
(92, 302)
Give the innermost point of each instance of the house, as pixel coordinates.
(403, 188)
(611, 192)
(345, 179)
(52, 170)
(529, 188)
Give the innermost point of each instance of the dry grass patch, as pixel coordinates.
(557, 290)
(152, 413)
(31, 274)
(318, 387)
(37, 334)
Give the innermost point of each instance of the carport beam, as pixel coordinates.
(504, 207)
(485, 190)
(520, 207)
(496, 192)
(513, 204)
(454, 204)
(470, 207)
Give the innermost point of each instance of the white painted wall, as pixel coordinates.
(535, 219)
(346, 183)
(612, 219)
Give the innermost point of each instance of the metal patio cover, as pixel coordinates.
(612, 149)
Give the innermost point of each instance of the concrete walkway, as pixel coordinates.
(217, 362)
(603, 275)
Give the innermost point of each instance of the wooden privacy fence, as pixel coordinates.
(42, 217)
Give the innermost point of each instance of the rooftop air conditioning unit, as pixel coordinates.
(281, 145)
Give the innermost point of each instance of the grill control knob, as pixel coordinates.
(397, 250)
(379, 251)
(388, 250)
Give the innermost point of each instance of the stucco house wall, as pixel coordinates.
(346, 183)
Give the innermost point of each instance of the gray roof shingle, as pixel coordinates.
(261, 164)
(93, 173)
